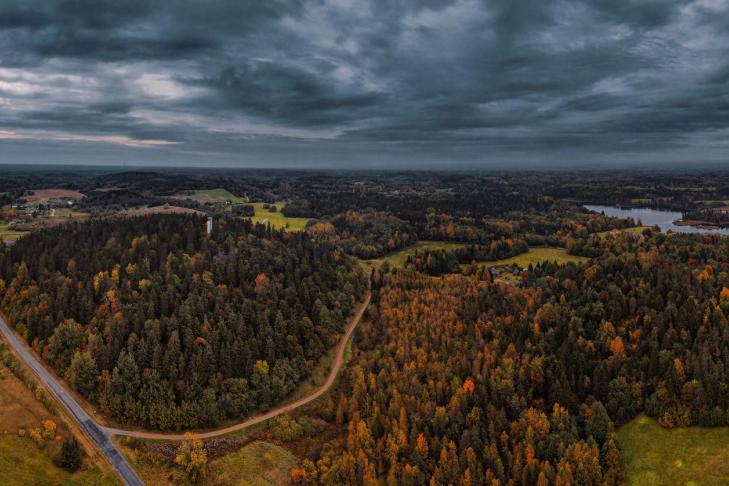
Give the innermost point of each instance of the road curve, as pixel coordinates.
(256, 419)
(101, 434)
(98, 434)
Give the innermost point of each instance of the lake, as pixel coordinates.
(651, 217)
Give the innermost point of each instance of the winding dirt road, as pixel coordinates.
(52, 383)
(256, 419)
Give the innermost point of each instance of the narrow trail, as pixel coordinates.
(288, 407)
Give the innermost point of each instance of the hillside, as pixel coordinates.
(163, 326)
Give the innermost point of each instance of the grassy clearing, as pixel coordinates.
(211, 196)
(636, 230)
(538, 255)
(8, 234)
(21, 461)
(257, 464)
(69, 213)
(277, 219)
(399, 258)
(655, 456)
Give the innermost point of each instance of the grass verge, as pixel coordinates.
(21, 460)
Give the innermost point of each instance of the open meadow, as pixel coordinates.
(692, 456)
(277, 218)
(540, 254)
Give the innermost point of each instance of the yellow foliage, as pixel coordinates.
(49, 429)
(192, 457)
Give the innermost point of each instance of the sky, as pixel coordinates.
(364, 83)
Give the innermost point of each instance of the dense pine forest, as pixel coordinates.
(462, 381)
(165, 326)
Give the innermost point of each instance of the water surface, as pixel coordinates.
(650, 217)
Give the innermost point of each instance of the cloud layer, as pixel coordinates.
(364, 83)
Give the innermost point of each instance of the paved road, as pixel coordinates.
(99, 435)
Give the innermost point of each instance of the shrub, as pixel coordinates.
(35, 434)
(49, 429)
(285, 429)
(69, 457)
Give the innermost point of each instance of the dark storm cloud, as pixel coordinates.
(430, 81)
(288, 94)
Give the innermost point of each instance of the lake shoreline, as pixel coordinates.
(664, 219)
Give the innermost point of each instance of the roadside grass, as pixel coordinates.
(21, 461)
(318, 376)
(8, 234)
(277, 219)
(538, 255)
(654, 456)
(399, 258)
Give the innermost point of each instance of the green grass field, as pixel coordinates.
(212, 196)
(277, 219)
(654, 456)
(10, 235)
(538, 255)
(399, 258)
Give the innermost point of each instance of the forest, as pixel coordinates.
(165, 326)
(462, 371)
(462, 381)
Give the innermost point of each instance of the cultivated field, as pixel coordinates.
(43, 195)
(654, 456)
(9, 234)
